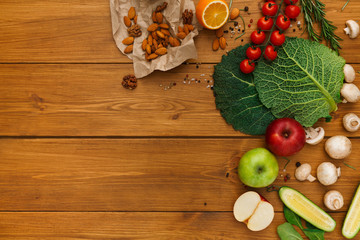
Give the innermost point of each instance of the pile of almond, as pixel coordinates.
(219, 41)
(133, 30)
(159, 37)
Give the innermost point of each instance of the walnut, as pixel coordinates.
(134, 31)
(161, 7)
(187, 16)
(129, 82)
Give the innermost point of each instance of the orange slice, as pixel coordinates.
(212, 14)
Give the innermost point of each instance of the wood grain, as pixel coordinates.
(145, 174)
(88, 100)
(80, 31)
(138, 225)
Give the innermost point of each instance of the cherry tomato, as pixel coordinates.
(247, 67)
(277, 38)
(270, 53)
(265, 23)
(270, 8)
(288, 2)
(257, 37)
(283, 22)
(253, 52)
(292, 11)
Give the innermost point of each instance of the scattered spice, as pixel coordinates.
(129, 82)
(246, 9)
(227, 174)
(294, 30)
(298, 164)
(249, 26)
(251, 20)
(187, 16)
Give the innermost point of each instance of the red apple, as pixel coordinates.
(285, 137)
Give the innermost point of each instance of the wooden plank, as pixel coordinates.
(88, 100)
(138, 225)
(78, 31)
(145, 174)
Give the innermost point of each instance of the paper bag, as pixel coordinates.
(172, 16)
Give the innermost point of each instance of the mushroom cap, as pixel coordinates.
(349, 72)
(338, 147)
(327, 173)
(351, 122)
(314, 135)
(352, 28)
(302, 172)
(350, 92)
(333, 200)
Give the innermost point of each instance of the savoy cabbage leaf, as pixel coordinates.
(236, 95)
(304, 81)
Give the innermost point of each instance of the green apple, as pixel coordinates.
(258, 168)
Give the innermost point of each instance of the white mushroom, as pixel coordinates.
(338, 147)
(351, 122)
(327, 173)
(352, 28)
(333, 200)
(349, 72)
(302, 173)
(350, 93)
(314, 135)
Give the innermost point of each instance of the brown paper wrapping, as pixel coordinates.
(172, 15)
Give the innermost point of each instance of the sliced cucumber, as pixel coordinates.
(306, 209)
(352, 220)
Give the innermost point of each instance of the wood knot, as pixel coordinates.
(176, 116)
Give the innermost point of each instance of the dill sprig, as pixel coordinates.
(314, 12)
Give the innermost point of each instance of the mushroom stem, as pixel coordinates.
(311, 178)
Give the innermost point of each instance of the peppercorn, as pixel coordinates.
(298, 164)
(246, 9)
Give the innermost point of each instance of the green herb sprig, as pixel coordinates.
(314, 12)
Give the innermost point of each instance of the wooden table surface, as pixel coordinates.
(83, 158)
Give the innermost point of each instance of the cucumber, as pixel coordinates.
(352, 220)
(306, 209)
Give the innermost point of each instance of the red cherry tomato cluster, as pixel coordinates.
(271, 14)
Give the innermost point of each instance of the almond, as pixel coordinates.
(152, 56)
(154, 35)
(135, 19)
(164, 26)
(146, 56)
(132, 13)
(159, 17)
(235, 12)
(181, 35)
(153, 48)
(190, 27)
(127, 21)
(176, 42)
(128, 49)
(216, 44)
(128, 41)
(171, 41)
(186, 29)
(220, 32)
(150, 39)
(222, 42)
(155, 43)
(165, 32)
(144, 43)
(180, 29)
(160, 46)
(161, 51)
(153, 27)
(148, 49)
(154, 17)
(160, 34)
